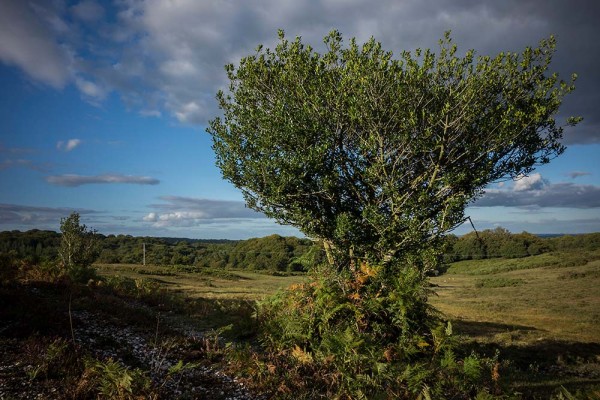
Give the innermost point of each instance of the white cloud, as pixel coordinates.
(25, 42)
(69, 145)
(72, 180)
(152, 217)
(187, 211)
(176, 219)
(90, 89)
(530, 182)
(189, 112)
(535, 192)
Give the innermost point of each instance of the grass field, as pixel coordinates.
(551, 296)
(541, 313)
(207, 283)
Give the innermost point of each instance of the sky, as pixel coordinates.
(104, 105)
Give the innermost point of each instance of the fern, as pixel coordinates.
(472, 368)
(448, 361)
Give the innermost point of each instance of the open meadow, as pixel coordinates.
(166, 331)
(205, 282)
(540, 314)
(554, 296)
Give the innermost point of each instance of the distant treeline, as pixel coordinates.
(274, 253)
(500, 243)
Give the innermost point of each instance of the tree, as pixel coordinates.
(379, 156)
(78, 247)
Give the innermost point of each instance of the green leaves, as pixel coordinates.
(377, 153)
(78, 248)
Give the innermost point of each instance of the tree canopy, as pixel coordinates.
(377, 154)
(78, 247)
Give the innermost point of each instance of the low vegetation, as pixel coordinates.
(273, 253)
(115, 337)
(539, 313)
(523, 328)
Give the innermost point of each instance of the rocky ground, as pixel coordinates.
(38, 359)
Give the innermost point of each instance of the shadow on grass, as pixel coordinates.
(534, 367)
(481, 328)
(27, 309)
(42, 308)
(50, 330)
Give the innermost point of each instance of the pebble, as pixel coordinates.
(106, 341)
(88, 332)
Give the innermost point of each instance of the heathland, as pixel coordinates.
(188, 329)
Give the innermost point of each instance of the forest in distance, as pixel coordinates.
(274, 252)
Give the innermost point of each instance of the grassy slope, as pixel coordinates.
(551, 296)
(542, 312)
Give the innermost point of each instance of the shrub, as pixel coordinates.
(369, 335)
(112, 380)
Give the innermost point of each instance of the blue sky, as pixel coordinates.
(104, 105)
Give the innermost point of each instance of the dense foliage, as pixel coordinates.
(494, 244)
(275, 251)
(271, 253)
(34, 245)
(377, 157)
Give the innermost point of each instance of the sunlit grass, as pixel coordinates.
(208, 283)
(550, 296)
(542, 313)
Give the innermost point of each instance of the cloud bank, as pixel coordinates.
(535, 192)
(72, 180)
(187, 212)
(167, 57)
(577, 174)
(20, 215)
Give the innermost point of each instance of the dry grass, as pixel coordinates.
(541, 313)
(540, 297)
(209, 284)
(558, 302)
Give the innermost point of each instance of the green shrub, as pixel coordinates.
(368, 334)
(112, 380)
